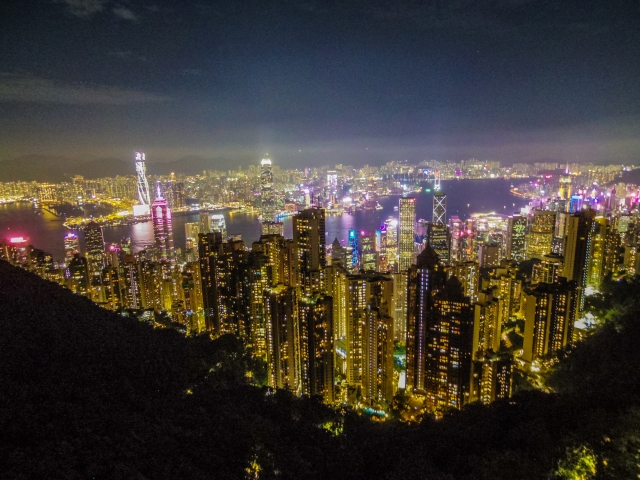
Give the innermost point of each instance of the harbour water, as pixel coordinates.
(464, 197)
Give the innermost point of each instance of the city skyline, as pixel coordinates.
(366, 82)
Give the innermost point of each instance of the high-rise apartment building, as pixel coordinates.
(94, 245)
(315, 339)
(540, 235)
(78, 276)
(369, 336)
(577, 254)
(310, 245)
(439, 335)
(515, 238)
(548, 323)
(280, 308)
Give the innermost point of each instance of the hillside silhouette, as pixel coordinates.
(87, 393)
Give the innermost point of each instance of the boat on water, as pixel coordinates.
(395, 209)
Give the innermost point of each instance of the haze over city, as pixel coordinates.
(356, 82)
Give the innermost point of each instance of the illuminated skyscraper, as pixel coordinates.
(143, 185)
(439, 207)
(162, 228)
(281, 316)
(267, 192)
(368, 253)
(310, 244)
(218, 224)
(353, 265)
(597, 260)
(205, 223)
(492, 374)
(209, 252)
(548, 327)
(577, 254)
(272, 228)
(78, 276)
(548, 270)
(540, 236)
(389, 245)
(516, 233)
(314, 334)
(407, 213)
(439, 237)
(71, 246)
(369, 336)
(439, 335)
(94, 243)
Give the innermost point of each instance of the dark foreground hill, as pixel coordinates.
(85, 393)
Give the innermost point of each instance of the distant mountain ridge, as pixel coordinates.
(55, 169)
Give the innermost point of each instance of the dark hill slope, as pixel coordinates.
(85, 393)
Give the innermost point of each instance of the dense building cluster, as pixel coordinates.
(443, 309)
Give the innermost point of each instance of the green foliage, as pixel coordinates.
(579, 464)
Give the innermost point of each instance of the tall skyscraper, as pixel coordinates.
(516, 233)
(598, 250)
(369, 336)
(209, 251)
(267, 191)
(439, 335)
(71, 246)
(310, 244)
(407, 214)
(78, 276)
(281, 317)
(439, 207)
(205, 223)
(272, 228)
(540, 236)
(192, 230)
(353, 264)
(144, 196)
(389, 245)
(368, 253)
(162, 228)
(94, 244)
(577, 254)
(548, 326)
(315, 340)
(439, 237)
(218, 224)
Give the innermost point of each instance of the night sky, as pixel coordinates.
(311, 82)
